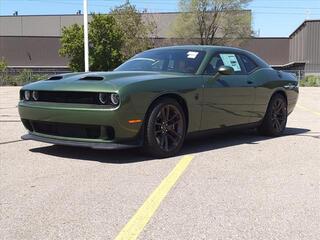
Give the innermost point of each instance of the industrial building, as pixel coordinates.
(34, 42)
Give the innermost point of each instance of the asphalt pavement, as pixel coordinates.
(233, 186)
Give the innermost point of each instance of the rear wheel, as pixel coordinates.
(165, 129)
(275, 120)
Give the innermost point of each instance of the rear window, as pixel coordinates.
(249, 64)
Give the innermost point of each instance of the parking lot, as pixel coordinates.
(233, 186)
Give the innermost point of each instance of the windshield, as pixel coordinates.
(165, 60)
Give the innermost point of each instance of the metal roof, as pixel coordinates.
(303, 25)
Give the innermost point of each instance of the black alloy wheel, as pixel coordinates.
(165, 130)
(169, 127)
(275, 120)
(278, 115)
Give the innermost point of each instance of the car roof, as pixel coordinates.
(201, 47)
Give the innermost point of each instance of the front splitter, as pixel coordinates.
(106, 146)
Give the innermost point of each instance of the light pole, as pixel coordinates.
(86, 38)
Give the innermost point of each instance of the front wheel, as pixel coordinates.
(165, 129)
(275, 120)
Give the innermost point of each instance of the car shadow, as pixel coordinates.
(191, 146)
(240, 137)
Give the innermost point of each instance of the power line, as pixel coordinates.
(304, 8)
(163, 2)
(285, 13)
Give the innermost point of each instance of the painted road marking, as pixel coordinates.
(137, 223)
(308, 109)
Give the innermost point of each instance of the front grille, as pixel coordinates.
(27, 124)
(69, 97)
(70, 130)
(67, 130)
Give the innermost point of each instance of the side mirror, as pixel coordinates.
(226, 70)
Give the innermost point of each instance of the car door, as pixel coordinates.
(227, 99)
(251, 68)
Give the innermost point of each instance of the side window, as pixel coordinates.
(230, 60)
(157, 65)
(226, 59)
(213, 66)
(249, 64)
(170, 67)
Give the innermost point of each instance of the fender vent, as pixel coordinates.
(92, 78)
(55, 78)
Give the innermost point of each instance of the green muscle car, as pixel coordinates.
(158, 98)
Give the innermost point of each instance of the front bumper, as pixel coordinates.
(75, 143)
(65, 116)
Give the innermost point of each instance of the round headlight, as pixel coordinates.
(35, 95)
(103, 98)
(115, 98)
(27, 95)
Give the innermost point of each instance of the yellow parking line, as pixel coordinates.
(136, 224)
(308, 109)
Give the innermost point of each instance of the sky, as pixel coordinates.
(271, 18)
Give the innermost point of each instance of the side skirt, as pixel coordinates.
(223, 130)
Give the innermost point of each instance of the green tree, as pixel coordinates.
(137, 31)
(3, 71)
(72, 46)
(3, 65)
(105, 44)
(213, 21)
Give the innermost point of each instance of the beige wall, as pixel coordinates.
(32, 51)
(274, 51)
(50, 26)
(40, 26)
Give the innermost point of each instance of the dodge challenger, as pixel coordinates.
(158, 98)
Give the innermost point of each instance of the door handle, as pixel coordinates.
(249, 82)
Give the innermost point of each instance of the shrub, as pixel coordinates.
(3, 71)
(24, 77)
(310, 81)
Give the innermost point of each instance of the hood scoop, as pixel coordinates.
(55, 78)
(92, 78)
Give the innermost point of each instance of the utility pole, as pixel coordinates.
(86, 38)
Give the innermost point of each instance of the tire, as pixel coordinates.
(165, 129)
(275, 120)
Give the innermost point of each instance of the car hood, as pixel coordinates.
(98, 81)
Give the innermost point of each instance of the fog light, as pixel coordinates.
(35, 95)
(27, 95)
(103, 98)
(115, 98)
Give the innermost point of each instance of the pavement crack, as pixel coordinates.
(2, 143)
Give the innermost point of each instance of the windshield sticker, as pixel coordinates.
(231, 60)
(192, 55)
